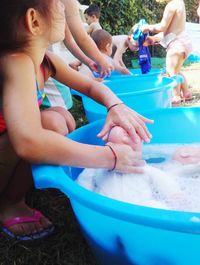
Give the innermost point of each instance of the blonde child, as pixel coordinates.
(176, 42)
(120, 44)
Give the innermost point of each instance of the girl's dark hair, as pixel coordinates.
(13, 32)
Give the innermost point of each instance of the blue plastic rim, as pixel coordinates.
(136, 73)
(138, 93)
(125, 234)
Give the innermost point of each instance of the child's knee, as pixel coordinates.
(52, 120)
(59, 125)
(67, 116)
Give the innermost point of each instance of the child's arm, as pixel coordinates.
(34, 143)
(153, 40)
(122, 69)
(168, 15)
(117, 58)
(83, 40)
(131, 121)
(86, 71)
(74, 48)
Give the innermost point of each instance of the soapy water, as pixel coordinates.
(165, 183)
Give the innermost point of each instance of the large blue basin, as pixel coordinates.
(120, 233)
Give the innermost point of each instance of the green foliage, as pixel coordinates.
(191, 8)
(118, 16)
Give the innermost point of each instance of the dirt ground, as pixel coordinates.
(192, 75)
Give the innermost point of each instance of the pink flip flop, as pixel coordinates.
(35, 218)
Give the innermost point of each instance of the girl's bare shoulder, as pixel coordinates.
(15, 62)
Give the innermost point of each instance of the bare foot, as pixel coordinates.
(176, 101)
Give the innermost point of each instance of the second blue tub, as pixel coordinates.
(138, 93)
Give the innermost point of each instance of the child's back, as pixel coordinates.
(176, 10)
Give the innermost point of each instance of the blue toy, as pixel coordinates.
(144, 54)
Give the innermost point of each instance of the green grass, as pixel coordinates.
(67, 245)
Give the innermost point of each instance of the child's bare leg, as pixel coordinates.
(58, 119)
(174, 62)
(185, 92)
(12, 200)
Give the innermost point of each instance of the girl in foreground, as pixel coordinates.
(27, 28)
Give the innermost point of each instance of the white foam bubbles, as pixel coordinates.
(167, 185)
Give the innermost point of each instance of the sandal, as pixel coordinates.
(26, 219)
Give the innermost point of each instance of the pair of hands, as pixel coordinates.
(103, 68)
(128, 159)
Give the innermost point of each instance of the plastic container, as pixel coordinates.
(139, 93)
(125, 234)
(136, 72)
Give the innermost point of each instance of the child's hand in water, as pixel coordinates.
(119, 136)
(127, 159)
(187, 155)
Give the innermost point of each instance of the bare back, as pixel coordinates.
(174, 17)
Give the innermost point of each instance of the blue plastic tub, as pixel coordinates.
(139, 93)
(125, 234)
(136, 72)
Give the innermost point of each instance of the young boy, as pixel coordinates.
(92, 14)
(176, 42)
(103, 40)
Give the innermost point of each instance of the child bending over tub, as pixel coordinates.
(25, 65)
(176, 42)
(103, 40)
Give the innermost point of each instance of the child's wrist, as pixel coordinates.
(113, 106)
(114, 156)
(151, 28)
